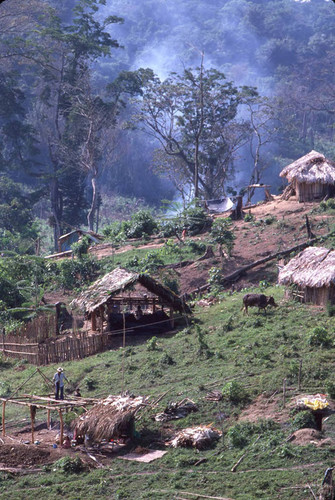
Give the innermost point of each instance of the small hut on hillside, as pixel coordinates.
(123, 294)
(66, 241)
(311, 177)
(313, 274)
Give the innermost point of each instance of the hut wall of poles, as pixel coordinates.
(310, 191)
(318, 296)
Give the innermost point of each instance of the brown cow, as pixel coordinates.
(257, 300)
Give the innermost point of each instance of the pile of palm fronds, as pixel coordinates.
(112, 417)
(214, 396)
(197, 437)
(177, 410)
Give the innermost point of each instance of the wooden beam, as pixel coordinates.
(61, 437)
(32, 419)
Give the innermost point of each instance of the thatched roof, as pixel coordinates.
(117, 281)
(110, 418)
(314, 268)
(311, 168)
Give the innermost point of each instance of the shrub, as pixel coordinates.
(166, 359)
(270, 220)
(69, 465)
(72, 274)
(249, 218)
(304, 419)
(240, 435)
(90, 383)
(195, 220)
(141, 223)
(80, 248)
(203, 347)
(222, 234)
(152, 344)
(320, 337)
(234, 392)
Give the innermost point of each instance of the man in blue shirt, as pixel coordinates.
(59, 378)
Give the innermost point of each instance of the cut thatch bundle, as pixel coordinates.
(174, 411)
(118, 281)
(314, 267)
(111, 418)
(311, 168)
(197, 437)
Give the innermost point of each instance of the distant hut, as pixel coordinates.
(123, 290)
(313, 274)
(311, 177)
(66, 241)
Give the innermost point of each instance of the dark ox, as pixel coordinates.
(257, 300)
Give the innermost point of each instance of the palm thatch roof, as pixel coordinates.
(314, 267)
(110, 418)
(117, 281)
(311, 168)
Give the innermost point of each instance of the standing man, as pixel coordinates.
(59, 378)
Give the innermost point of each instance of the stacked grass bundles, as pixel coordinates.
(111, 418)
(197, 437)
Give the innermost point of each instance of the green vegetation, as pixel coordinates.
(241, 356)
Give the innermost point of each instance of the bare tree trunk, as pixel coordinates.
(91, 212)
(57, 209)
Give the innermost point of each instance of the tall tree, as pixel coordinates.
(194, 117)
(67, 53)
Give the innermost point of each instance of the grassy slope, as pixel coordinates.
(258, 351)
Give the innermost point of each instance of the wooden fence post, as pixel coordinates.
(3, 419)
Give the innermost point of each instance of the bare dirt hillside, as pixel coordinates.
(275, 226)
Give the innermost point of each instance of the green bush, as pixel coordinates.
(234, 392)
(152, 344)
(303, 419)
(70, 274)
(69, 465)
(249, 218)
(240, 435)
(320, 337)
(80, 248)
(141, 223)
(166, 359)
(90, 383)
(222, 234)
(243, 433)
(195, 220)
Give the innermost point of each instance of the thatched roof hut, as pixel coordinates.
(312, 176)
(115, 289)
(313, 274)
(111, 418)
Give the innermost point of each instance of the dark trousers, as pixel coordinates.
(57, 391)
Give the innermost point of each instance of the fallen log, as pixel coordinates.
(236, 274)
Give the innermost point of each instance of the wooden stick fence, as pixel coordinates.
(68, 347)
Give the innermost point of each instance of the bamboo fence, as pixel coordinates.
(42, 347)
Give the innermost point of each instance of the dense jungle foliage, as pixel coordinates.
(76, 108)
